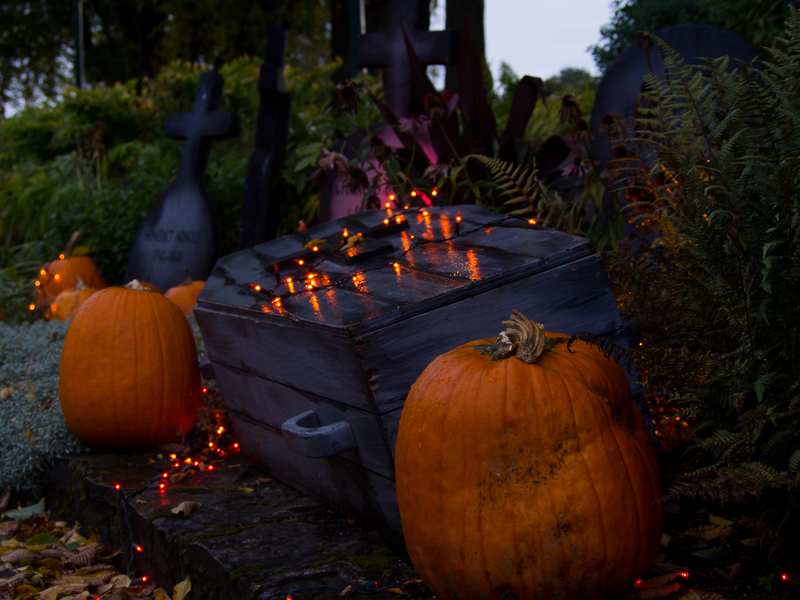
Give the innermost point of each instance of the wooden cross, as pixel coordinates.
(259, 218)
(388, 50)
(181, 230)
(200, 126)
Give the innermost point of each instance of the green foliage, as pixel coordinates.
(96, 161)
(719, 305)
(32, 428)
(756, 21)
(545, 121)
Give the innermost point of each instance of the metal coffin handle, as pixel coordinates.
(305, 435)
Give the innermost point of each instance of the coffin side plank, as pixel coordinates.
(272, 404)
(351, 489)
(570, 298)
(313, 361)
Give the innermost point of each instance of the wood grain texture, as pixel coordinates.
(573, 297)
(272, 404)
(351, 489)
(319, 362)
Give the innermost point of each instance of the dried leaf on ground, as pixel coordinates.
(181, 589)
(19, 554)
(348, 591)
(719, 521)
(709, 532)
(702, 595)
(186, 508)
(84, 557)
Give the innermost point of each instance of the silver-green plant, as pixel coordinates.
(32, 428)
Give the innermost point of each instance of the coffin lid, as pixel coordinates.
(409, 262)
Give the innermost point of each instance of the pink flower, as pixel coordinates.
(579, 167)
(414, 123)
(437, 171)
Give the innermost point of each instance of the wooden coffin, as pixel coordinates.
(315, 370)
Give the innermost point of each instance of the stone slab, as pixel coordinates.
(239, 544)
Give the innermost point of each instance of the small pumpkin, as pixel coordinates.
(185, 294)
(67, 302)
(59, 275)
(128, 376)
(525, 470)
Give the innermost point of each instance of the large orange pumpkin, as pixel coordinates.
(524, 479)
(185, 293)
(128, 376)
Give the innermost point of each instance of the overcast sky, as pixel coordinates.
(540, 37)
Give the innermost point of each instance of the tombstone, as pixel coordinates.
(622, 82)
(259, 215)
(388, 50)
(315, 342)
(181, 230)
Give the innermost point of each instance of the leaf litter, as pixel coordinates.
(42, 558)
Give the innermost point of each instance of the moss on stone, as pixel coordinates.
(382, 560)
(162, 513)
(250, 569)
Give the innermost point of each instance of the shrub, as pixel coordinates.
(713, 162)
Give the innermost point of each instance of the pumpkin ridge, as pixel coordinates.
(632, 491)
(600, 511)
(654, 489)
(534, 384)
(147, 299)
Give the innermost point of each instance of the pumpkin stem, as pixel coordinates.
(71, 244)
(188, 279)
(523, 337)
(134, 284)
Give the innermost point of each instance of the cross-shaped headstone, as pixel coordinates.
(388, 49)
(259, 218)
(181, 230)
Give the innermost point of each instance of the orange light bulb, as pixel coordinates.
(61, 256)
(42, 272)
(57, 276)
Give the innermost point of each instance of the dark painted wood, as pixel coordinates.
(181, 230)
(388, 49)
(259, 214)
(572, 297)
(272, 404)
(351, 351)
(310, 360)
(353, 490)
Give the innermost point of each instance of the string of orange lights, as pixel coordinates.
(318, 253)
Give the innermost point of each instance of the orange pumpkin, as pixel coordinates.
(59, 275)
(67, 302)
(185, 294)
(128, 376)
(527, 476)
